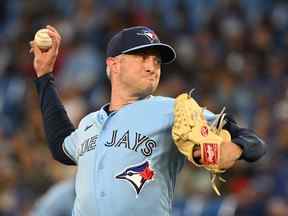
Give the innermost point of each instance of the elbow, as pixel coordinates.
(262, 149)
(55, 144)
(62, 158)
(58, 153)
(253, 147)
(256, 151)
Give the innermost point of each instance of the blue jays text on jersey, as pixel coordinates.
(126, 159)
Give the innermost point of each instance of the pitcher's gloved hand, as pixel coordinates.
(191, 133)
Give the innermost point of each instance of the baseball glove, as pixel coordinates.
(191, 131)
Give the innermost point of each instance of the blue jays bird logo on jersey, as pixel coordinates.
(150, 35)
(137, 175)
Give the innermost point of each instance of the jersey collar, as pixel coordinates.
(103, 115)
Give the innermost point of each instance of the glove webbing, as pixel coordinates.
(216, 127)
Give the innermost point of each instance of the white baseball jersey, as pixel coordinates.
(127, 161)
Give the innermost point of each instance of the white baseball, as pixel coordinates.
(42, 39)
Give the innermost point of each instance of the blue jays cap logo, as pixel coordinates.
(137, 175)
(150, 35)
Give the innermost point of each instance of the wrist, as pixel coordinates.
(237, 149)
(42, 74)
(47, 76)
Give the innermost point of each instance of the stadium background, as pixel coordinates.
(234, 52)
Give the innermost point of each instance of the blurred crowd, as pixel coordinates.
(233, 52)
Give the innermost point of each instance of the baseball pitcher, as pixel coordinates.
(130, 151)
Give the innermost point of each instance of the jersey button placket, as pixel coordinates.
(100, 166)
(101, 193)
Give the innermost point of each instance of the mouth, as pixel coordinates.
(152, 78)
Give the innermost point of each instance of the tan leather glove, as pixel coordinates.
(191, 130)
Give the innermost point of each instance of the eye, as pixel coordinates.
(158, 60)
(129, 173)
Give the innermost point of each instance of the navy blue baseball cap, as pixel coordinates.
(138, 38)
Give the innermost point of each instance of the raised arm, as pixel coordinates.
(57, 125)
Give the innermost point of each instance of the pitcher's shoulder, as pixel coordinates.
(163, 99)
(90, 118)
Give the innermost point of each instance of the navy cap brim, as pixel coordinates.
(167, 53)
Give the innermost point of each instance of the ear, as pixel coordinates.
(111, 66)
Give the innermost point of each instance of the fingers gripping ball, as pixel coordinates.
(42, 39)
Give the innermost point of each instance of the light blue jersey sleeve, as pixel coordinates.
(74, 142)
(209, 116)
(70, 145)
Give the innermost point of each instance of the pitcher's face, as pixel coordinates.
(140, 72)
